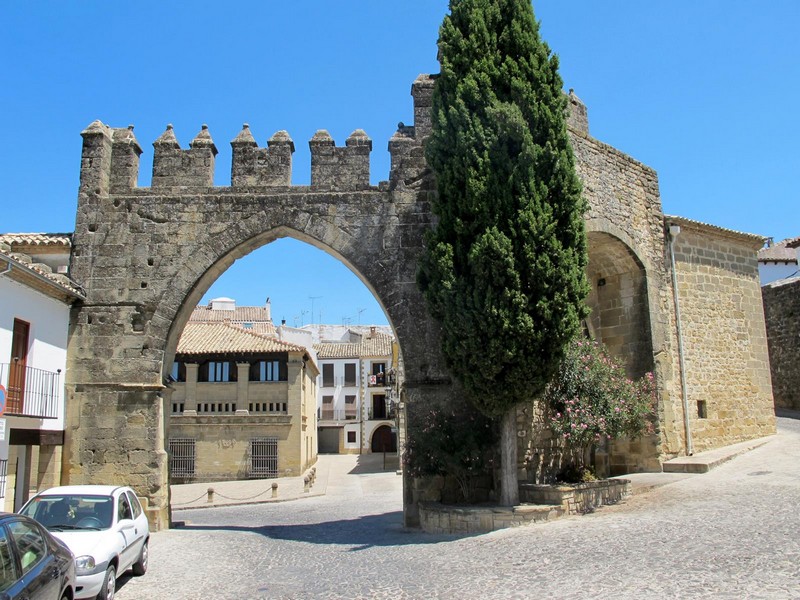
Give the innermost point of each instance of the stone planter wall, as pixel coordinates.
(443, 518)
(578, 498)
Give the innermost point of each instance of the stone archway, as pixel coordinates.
(146, 255)
(618, 299)
(383, 440)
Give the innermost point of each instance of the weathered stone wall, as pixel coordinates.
(724, 336)
(782, 314)
(222, 444)
(629, 298)
(146, 256)
(463, 520)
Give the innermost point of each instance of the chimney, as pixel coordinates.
(372, 331)
(269, 310)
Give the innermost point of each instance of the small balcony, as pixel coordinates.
(377, 380)
(324, 414)
(30, 392)
(381, 413)
(332, 382)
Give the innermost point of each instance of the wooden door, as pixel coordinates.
(17, 367)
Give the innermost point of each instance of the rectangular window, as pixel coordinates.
(263, 458)
(182, 457)
(702, 409)
(327, 407)
(378, 377)
(350, 374)
(379, 406)
(218, 372)
(350, 407)
(269, 370)
(327, 375)
(351, 437)
(178, 371)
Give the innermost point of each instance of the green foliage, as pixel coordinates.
(504, 268)
(591, 399)
(456, 442)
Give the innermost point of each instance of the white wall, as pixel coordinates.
(772, 271)
(49, 323)
(339, 390)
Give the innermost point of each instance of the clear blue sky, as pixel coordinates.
(704, 92)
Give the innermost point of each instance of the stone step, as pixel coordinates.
(703, 462)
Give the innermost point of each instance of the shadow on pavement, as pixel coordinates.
(375, 463)
(364, 532)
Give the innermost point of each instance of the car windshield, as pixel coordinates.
(71, 512)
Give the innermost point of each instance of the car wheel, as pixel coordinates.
(140, 566)
(109, 584)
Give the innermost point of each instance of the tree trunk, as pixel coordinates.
(509, 486)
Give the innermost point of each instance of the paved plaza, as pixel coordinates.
(731, 533)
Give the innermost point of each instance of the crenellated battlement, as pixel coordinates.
(110, 157)
(253, 166)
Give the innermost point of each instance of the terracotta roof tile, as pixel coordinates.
(257, 316)
(25, 265)
(37, 239)
(223, 338)
(783, 251)
(683, 220)
(378, 345)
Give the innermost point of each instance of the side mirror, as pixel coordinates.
(126, 524)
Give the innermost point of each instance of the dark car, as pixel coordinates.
(33, 564)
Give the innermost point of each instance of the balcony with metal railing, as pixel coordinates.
(329, 414)
(332, 382)
(381, 413)
(30, 392)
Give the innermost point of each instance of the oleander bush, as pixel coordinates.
(591, 400)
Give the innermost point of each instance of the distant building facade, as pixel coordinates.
(781, 296)
(35, 299)
(356, 400)
(244, 402)
(778, 260)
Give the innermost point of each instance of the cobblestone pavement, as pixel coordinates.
(731, 533)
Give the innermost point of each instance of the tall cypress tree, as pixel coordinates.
(504, 269)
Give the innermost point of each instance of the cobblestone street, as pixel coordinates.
(730, 533)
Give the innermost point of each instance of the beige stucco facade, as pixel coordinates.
(227, 425)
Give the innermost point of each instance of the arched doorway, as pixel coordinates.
(384, 440)
(620, 319)
(146, 257)
(618, 299)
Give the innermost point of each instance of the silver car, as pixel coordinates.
(105, 528)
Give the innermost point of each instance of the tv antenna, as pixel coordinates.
(300, 316)
(360, 310)
(312, 298)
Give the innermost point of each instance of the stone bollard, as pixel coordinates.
(274, 490)
(210, 495)
(313, 473)
(305, 484)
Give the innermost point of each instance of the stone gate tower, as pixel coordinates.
(146, 256)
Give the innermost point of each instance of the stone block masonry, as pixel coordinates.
(146, 256)
(782, 313)
(727, 365)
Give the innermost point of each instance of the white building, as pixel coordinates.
(779, 260)
(35, 298)
(356, 398)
